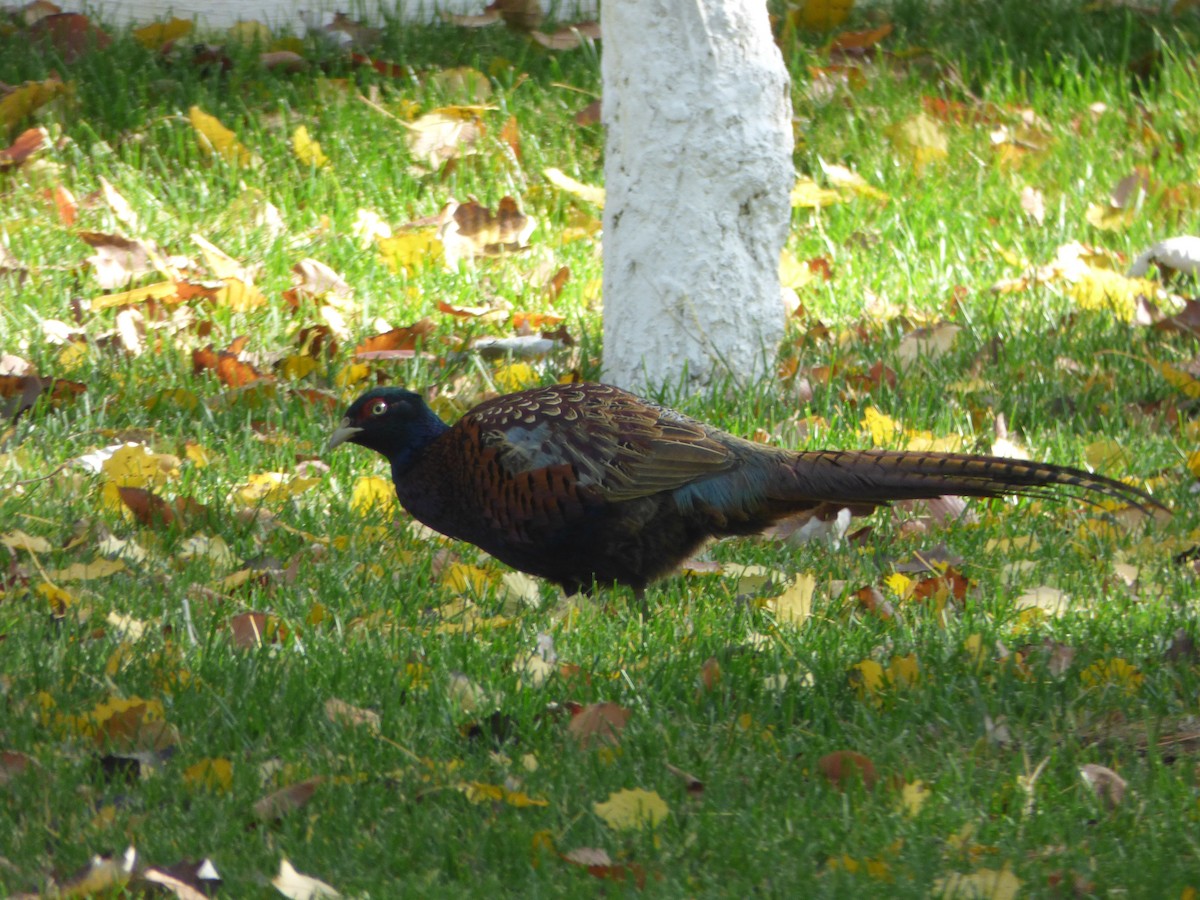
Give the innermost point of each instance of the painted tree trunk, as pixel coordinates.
(698, 167)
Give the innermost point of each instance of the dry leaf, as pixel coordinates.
(296, 886)
(598, 724)
(632, 809)
(1108, 785)
(844, 766)
(286, 800)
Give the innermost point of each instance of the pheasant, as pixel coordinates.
(588, 485)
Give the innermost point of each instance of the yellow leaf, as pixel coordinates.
(211, 774)
(239, 296)
(19, 540)
(270, 487)
(18, 104)
(1105, 454)
(515, 377)
(1193, 462)
(975, 649)
(307, 150)
(211, 548)
(920, 139)
(1103, 289)
(807, 194)
(882, 427)
(925, 442)
(912, 797)
(794, 605)
(97, 568)
(900, 584)
(628, 810)
(156, 34)
(297, 366)
(1107, 217)
(134, 466)
(198, 455)
(904, 671)
(585, 192)
(58, 599)
(371, 491)
(1112, 672)
(867, 677)
(351, 375)
(410, 250)
(72, 356)
(1044, 600)
(462, 578)
(1178, 379)
(984, 884)
(477, 792)
(218, 140)
(823, 15)
(156, 291)
(793, 273)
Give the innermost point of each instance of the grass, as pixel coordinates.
(369, 619)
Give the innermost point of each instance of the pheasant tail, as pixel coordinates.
(876, 477)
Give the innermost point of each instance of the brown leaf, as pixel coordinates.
(22, 391)
(556, 283)
(710, 674)
(286, 800)
(590, 114)
(342, 713)
(254, 629)
(312, 278)
(691, 783)
(225, 363)
(1108, 785)
(118, 260)
(519, 15)
(131, 729)
(13, 763)
(71, 34)
(360, 36)
(28, 142)
(569, 36)
(843, 766)
(148, 508)
(490, 233)
(511, 135)
(397, 342)
(600, 865)
(598, 723)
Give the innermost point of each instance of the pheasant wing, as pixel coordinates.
(606, 443)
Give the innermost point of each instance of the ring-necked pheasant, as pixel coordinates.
(586, 484)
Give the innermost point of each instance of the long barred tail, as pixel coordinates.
(875, 477)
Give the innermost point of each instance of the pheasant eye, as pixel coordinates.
(378, 408)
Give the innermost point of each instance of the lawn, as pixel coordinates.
(219, 641)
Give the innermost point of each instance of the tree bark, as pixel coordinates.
(698, 169)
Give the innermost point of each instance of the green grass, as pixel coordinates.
(370, 620)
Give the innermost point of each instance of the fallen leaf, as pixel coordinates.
(632, 809)
(286, 800)
(1108, 785)
(844, 766)
(981, 884)
(296, 886)
(598, 724)
(218, 140)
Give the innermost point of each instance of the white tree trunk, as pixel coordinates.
(698, 168)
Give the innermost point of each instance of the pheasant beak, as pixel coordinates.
(344, 432)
